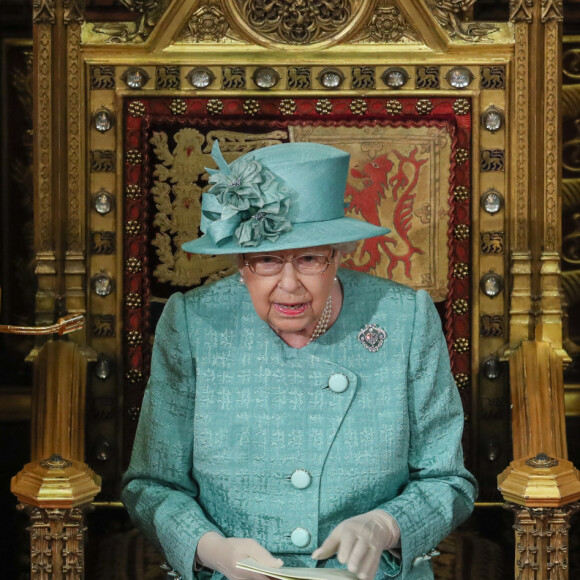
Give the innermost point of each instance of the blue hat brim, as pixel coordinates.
(302, 235)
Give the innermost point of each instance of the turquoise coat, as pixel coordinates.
(235, 423)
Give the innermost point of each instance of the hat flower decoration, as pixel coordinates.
(245, 202)
(281, 197)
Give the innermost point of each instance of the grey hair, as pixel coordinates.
(345, 247)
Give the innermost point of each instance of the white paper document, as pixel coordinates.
(297, 573)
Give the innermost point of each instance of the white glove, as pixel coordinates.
(221, 554)
(360, 541)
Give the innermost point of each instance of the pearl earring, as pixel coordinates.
(242, 281)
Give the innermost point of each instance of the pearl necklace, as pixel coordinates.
(322, 324)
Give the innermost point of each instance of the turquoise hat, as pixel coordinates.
(278, 198)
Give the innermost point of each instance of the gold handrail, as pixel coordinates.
(63, 325)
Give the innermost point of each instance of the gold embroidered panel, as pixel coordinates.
(399, 178)
(177, 196)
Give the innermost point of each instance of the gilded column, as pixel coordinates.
(55, 493)
(521, 315)
(58, 176)
(58, 404)
(43, 23)
(75, 266)
(549, 317)
(537, 397)
(542, 541)
(56, 488)
(540, 485)
(543, 493)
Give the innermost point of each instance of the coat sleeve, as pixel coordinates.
(440, 492)
(158, 489)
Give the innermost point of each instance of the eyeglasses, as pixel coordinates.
(307, 264)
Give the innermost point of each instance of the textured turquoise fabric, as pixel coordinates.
(231, 412)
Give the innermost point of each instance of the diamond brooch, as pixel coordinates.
(372, 337)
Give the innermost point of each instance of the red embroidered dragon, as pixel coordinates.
(366, 202)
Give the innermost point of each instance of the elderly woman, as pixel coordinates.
(297, 413)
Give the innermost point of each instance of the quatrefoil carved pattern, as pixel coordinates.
(297, 23)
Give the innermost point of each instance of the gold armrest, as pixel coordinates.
(63, 325)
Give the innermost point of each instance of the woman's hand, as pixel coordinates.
(360, 541)
(221, 554)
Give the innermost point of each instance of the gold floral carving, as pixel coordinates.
(133, 300)
(451, 15)
(287, 106)
(323, 107)
(177, 187)
(279, 22)
(387, 25)
(251, 106)
(521, 319)
(358, 107)
(549, 323)
(43, 127)
(178, 106)
(394, 107)
(461, 270)
(208, 22)
(299, 22)
(522, 122)
(215, 106)
(56, 542)
(461, 345)
(149, 11)
(552, 10)
(461, 106)
(551, 136)
(542, 537)
(75, 164)
(134, 376)
(461, 193)
(43, 12)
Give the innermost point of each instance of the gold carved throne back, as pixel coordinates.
(434, 110)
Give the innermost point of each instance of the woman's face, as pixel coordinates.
(291, 302)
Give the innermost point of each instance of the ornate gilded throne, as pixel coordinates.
(452, 126)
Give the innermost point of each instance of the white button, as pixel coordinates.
(338, 383)
(300, 537)
(301, 479)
